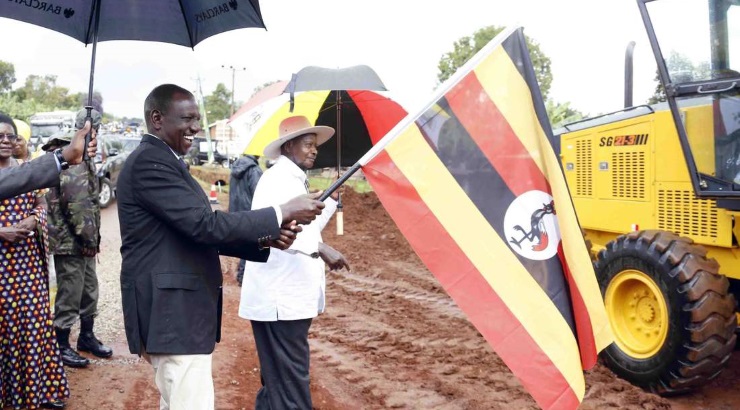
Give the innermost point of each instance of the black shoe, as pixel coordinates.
(57, 404)
(71, 358)
(87, 342)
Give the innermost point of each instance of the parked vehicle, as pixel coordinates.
(44, 124)
(198, 154)
(112, 153)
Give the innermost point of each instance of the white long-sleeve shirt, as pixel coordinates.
(291, 284)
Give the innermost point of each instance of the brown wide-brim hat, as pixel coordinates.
(293, 127)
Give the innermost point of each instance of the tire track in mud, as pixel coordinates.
(413, 273)
(435, 300)
(397, 346)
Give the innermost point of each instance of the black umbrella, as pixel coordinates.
(181, 22)
(339, 81)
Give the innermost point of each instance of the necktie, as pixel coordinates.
(306, 184)
(182, 163)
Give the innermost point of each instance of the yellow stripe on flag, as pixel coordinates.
(488, 253)
(511, 100)
(496, 76)
(576, 254)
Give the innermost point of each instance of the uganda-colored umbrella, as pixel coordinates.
(346, 99)
(365, 115)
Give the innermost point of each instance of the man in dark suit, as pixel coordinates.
(171, 240)
(43, 172)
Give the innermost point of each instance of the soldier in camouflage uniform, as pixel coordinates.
(74, 239)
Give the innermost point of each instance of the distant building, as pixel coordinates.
(220, 131)
(224, 136)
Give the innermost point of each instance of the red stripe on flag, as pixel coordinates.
(462, 281)
(497, 140)
(584, 328)
(381, 114)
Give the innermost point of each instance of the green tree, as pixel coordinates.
(45, 89)
(21, 109)
(682, 70)
(97, 101)
(107, 117)
(561, 113)
(7, 76)
(659, 93)
(218, 104)
(467, 46)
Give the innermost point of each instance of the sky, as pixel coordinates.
(402, 40)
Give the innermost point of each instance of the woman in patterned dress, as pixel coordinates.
(31, 375)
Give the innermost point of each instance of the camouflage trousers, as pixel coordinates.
(77, 289)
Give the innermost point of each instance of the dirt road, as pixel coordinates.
(391, 338)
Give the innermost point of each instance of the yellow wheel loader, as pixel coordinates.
(657, 191)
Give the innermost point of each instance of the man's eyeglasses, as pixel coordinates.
(10, 137)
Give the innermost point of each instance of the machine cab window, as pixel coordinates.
(700, 72)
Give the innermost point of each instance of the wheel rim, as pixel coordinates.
(638, 313)
(104, 196)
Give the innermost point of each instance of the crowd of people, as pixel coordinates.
(171, 281)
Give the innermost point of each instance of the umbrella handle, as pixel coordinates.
(88, 136)
(340, 222)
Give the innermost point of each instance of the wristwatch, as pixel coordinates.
(60, 158)
(263, 243)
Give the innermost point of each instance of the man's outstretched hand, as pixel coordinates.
(302, 209)
(288, 232)
(333, 257)
(73, 152)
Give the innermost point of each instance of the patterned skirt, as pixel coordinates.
(32, 372)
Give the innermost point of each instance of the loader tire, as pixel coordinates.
(670, 310)
(589, 246)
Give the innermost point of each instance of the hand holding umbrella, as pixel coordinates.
(74, 152)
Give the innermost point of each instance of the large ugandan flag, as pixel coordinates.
(474, 184)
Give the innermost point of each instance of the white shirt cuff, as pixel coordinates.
(278, 213)
(59, 166)
(306, 247)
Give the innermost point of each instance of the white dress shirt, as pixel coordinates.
(291, 284)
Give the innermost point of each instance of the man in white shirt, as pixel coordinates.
(283, 295)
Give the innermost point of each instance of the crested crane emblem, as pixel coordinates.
(531, 227)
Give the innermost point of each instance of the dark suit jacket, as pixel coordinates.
(171, 275)
(40, 173)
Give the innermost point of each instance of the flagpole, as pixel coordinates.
(408, 119)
